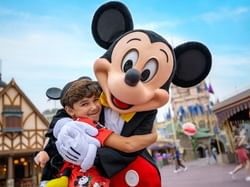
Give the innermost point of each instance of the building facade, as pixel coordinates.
(22, 134)
(192, 105)
(234, 113)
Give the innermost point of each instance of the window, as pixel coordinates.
(12, 118)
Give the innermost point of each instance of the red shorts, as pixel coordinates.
(139, 173)
(88, 179)
(242, 155)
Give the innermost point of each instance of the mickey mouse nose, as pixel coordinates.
(132, 77)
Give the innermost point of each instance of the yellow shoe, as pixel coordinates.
(62, 181)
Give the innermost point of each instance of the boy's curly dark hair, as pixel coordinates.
(80, 89)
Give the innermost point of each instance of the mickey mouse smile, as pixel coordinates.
(119, 104)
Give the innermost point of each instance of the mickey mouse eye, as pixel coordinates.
(149, 70)
(129, 60)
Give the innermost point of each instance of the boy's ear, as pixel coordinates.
(69, 111)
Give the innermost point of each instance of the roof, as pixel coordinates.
(2, 83)
(232, 105)
(12, 83)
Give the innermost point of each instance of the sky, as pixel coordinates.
(46, 43)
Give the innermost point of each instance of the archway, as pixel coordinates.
(219, 146)
(200, 151)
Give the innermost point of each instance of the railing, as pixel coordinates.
(26, 182)
(25, 140)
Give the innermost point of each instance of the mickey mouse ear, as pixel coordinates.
(194, 62)
(54, 93)
(110, 21)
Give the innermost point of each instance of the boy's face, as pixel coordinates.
(87, 107)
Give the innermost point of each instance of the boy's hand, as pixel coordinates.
(41, 158)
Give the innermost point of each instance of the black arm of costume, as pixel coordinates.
(50, 148)
(54, 164)
(59, 115)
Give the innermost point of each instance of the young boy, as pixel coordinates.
(81, 102)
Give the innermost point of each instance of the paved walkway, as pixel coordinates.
(200, 174)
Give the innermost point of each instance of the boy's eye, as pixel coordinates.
(84, 104)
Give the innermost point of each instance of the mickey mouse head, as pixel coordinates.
(136, 70)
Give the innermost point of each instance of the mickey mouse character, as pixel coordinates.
(135, 74)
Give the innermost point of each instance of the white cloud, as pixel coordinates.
(45, 51)
(225, 13)
(158, 25)
(230, 74)
(39, 60)
(10, 12)
(24, 17)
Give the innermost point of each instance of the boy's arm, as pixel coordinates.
(50, 147)
(130, 144)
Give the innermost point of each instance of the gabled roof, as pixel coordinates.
(13, 84)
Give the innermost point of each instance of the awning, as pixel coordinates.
(233, 105)
(200, 135)
(203, 129)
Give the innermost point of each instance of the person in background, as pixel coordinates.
(214, 154)
(178, 164)
(241, 154)
(159, 159)
(208, 156)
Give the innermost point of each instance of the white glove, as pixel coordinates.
(87, 131)
(59, 124)
(76, 144)
(88, 161)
